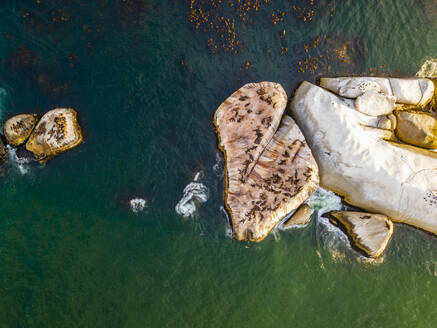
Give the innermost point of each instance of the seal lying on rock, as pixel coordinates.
(369, 232)
(57, 131)
(269, 172)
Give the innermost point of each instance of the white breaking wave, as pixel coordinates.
(137, 205)
(323, 201)
(21, 164)
(194, 193)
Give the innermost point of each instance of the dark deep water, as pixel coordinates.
(146, 84)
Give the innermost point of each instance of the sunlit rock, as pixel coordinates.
(373, 103)
(56, 132)
(356, 162)
(417, 128)
(269, 173)
(417, 91)
(299, 218)
(18, 128)
(369, 232)
(428, 69)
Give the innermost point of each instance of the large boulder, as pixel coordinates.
(357, 162)
(417, 128)
(369, 232)
(417, 91)
(18, 128)
(56, 132)
(269, 172)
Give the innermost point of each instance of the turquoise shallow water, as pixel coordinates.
(146, 86)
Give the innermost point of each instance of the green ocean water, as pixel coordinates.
(146, 86)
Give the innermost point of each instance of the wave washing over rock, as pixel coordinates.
(194, 193)
(21, 164)
(137, 205)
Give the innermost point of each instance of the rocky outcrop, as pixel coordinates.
(269, 172)
(428, 69)
(56, 132)
(369, 232)
(358, 162)
(299, 218)
(417, 128)
(18, 128)
(416, 92)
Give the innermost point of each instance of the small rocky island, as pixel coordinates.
(374, 142)
(55, 132)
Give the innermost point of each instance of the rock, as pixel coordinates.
(428, 69)
(377, 175)
(56, 132)
(194, 193)
(407, 91)
(417, 128)
(24, 155)
(301, 217)
(385, 123)
(18, 128)
(137, 204)
(3, 150)
(369, 232)
(374, 103)
(268, 173)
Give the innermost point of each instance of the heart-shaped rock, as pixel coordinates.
(269, 171)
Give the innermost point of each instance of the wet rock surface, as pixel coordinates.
(18, 128)
(369, 232)
(269, 172)
(3, 150)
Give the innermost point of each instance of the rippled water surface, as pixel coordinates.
(146, 83)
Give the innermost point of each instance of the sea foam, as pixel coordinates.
(194, 193)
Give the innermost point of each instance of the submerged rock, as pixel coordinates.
(300, 217)
(269, 173)
(369, 232)
(417, 128)
(56, 132)
(417, 91)
(3, 150)
(18, 128)
(194, 193)
(356, 162)
(137, 204)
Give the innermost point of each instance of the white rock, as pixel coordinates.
(397, 180)
(374, 103)
(407, 91)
